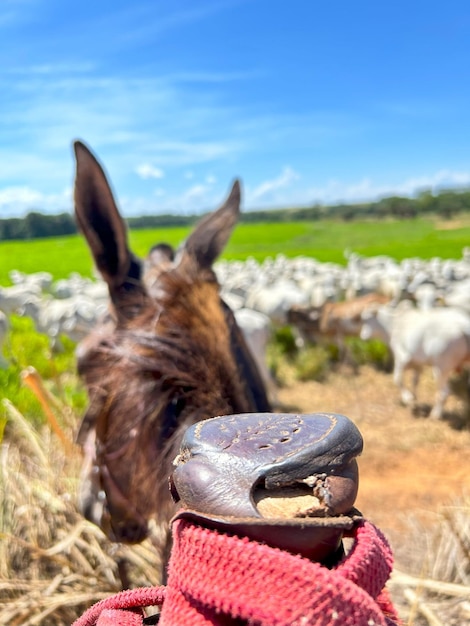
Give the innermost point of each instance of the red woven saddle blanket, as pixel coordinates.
(222, 580)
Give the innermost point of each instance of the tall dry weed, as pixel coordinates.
(53, 563)
(435, 589)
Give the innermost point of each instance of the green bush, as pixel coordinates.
(25, 348)
(372, 352)
(284, 339)
(315, 361)
(312, 363)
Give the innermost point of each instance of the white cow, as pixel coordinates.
(73, 317)
(4, 326)
(437, 337)
(40, 280)
(276, 300)
(13, 298)
(457, 295)
(257, 330)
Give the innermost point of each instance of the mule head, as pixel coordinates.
(169, 354)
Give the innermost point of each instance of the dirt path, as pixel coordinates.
(411, 467)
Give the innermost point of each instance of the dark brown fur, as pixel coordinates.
(169, 354)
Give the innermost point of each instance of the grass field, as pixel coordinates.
(324, 240)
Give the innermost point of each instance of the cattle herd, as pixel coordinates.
(420, 308)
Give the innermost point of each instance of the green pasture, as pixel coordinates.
(324, 240)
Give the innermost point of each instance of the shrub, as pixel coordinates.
(312, 363)
(284, 339)
(27, 348)
(373, 352)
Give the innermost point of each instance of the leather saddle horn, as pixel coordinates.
(288, 480)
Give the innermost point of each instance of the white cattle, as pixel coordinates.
(13, 298)
(257, 330)
(426, 296)
(234, 301)
(438, 337)
(43, 280)
(457, 295)
(276, 300)
(4, 326)
(73, 317)
(76, 285)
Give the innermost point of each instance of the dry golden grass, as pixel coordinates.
(53, 563)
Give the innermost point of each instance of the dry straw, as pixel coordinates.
(53, 563)
(436, 590)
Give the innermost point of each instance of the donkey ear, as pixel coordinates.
(212, 233)
(105, 231)
(98, 218)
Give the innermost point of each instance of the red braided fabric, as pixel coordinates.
(123, 609)
(220, 580)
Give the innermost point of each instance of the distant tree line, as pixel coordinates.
(36, 225)
(446, 204)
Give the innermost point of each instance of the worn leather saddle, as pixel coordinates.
(287, 480)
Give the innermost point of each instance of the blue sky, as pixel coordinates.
(305, 101)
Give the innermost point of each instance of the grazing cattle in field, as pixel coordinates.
(41, 281)
(73, 317)
(438, 337)
(276, 299)
(4, 327)
(169, 354)
(457, 294)
(333, 320)
(426, 296)
(13, 298)
(257, 330)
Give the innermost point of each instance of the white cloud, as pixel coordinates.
(21, 195)
(18, 201)
(366, 190)
(195, 199)
(192, 152)
(145, 171)
(51, 70)
(285, 179)
(195, 193)
(442, 178)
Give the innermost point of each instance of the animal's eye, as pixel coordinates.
(178, 403)
(170, 416)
